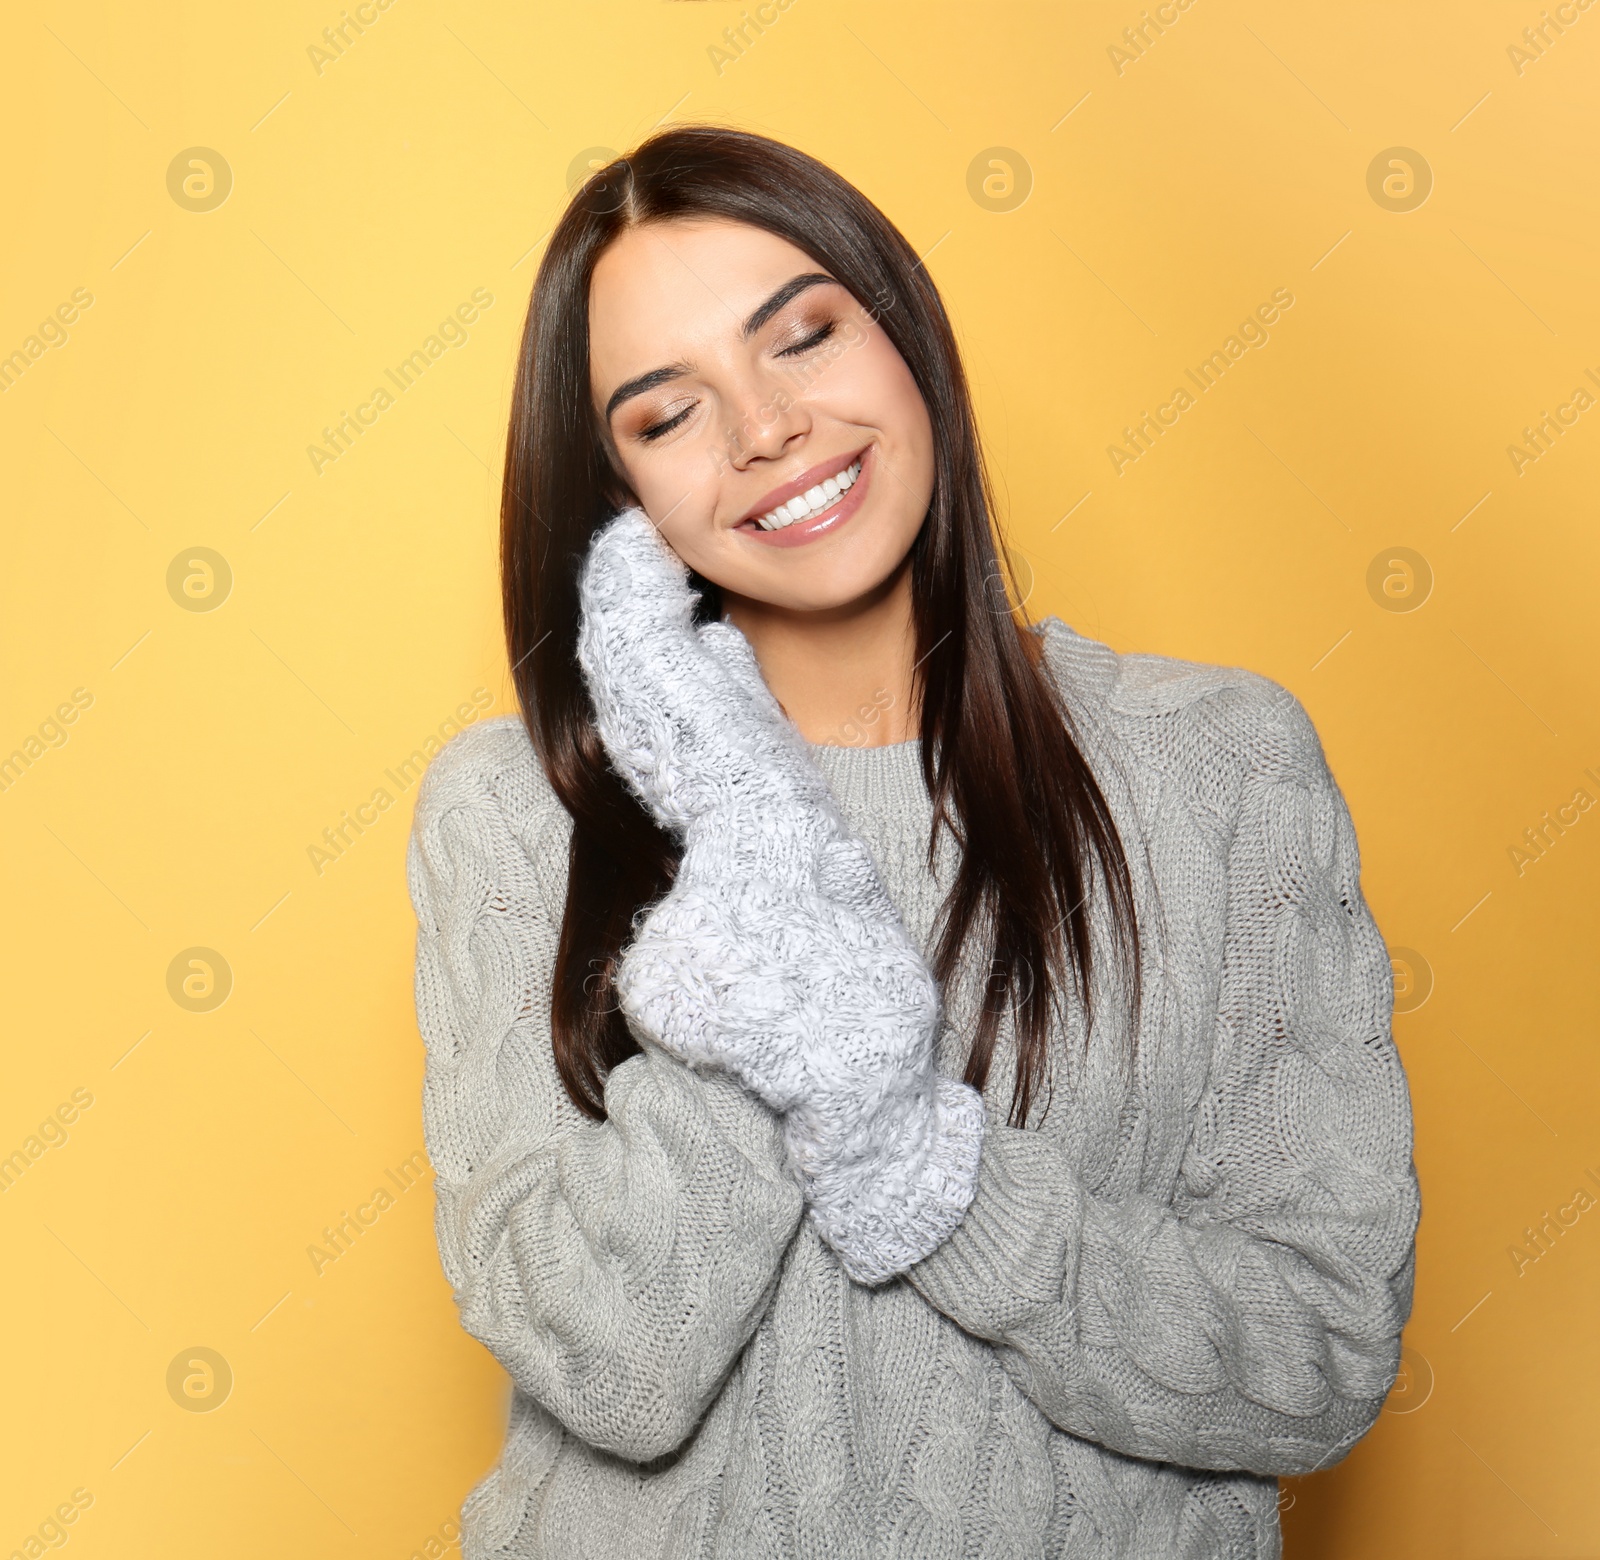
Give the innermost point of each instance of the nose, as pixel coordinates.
(766, 421)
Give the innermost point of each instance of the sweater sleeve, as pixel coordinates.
(1251, 1321)
(616, 1269)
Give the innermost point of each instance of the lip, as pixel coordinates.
(829, 519)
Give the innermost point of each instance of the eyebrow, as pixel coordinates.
(641, 384)
(790, 290)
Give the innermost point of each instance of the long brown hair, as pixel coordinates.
(999, 755)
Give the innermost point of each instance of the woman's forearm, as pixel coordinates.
(614, 1268)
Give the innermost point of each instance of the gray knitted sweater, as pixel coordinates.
(1187, 1277)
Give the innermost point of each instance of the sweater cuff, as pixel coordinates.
(1017, 1248)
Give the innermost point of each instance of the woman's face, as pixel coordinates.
(757, 413)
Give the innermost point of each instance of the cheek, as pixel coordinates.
(679, 480)
(687, 535)
(679, 489)
(869, 384)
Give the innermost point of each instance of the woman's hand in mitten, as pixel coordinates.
(821, 1007)
(777, 956)
(683, 712)
(886, 1147)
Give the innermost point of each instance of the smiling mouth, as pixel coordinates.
(815, 501)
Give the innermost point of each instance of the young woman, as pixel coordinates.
(901, 1082)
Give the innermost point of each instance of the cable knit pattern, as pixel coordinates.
(1188, 1277)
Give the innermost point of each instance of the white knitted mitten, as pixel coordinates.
(777, 956)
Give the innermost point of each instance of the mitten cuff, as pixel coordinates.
(882, 1216)
(753, 840)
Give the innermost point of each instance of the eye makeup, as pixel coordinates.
(813, 333)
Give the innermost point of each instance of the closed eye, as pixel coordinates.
(812, 341)
(660, 429)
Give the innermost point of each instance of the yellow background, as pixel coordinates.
(1167, 202)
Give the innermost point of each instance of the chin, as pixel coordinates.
(804, 580)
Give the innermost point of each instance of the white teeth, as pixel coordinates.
(812, 501)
